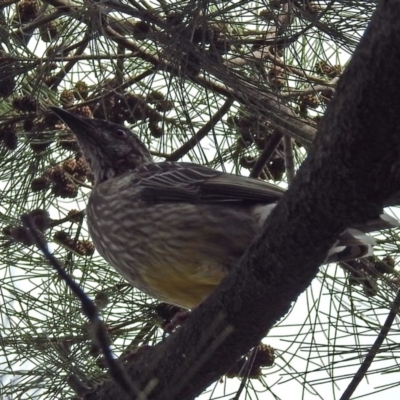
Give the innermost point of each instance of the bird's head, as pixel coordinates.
(110, 149)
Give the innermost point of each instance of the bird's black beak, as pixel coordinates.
(75, 122)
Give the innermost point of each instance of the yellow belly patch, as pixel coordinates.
(180, 287)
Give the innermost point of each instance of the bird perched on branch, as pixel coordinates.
(174, 230)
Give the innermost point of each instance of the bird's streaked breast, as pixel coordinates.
(176, 252)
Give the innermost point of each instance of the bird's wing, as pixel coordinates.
(177, 182)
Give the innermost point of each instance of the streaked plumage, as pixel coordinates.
(174, 230)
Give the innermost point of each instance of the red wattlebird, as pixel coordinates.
(174, 230)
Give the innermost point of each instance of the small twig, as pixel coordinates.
(68, 218)
(195, 140)
(247, 368)
(89, 309)
(289, 158)
(327, 88)
(36, 23)
(129, 82)
(374, 349)
(77, 385)
(68, 66)
(78, 182)
(266, 154)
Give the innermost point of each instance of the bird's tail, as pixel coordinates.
(355, 243)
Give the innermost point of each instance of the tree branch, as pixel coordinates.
(362, 371)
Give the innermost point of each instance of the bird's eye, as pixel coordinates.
(120, 133)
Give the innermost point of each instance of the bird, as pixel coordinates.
(174, 230)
